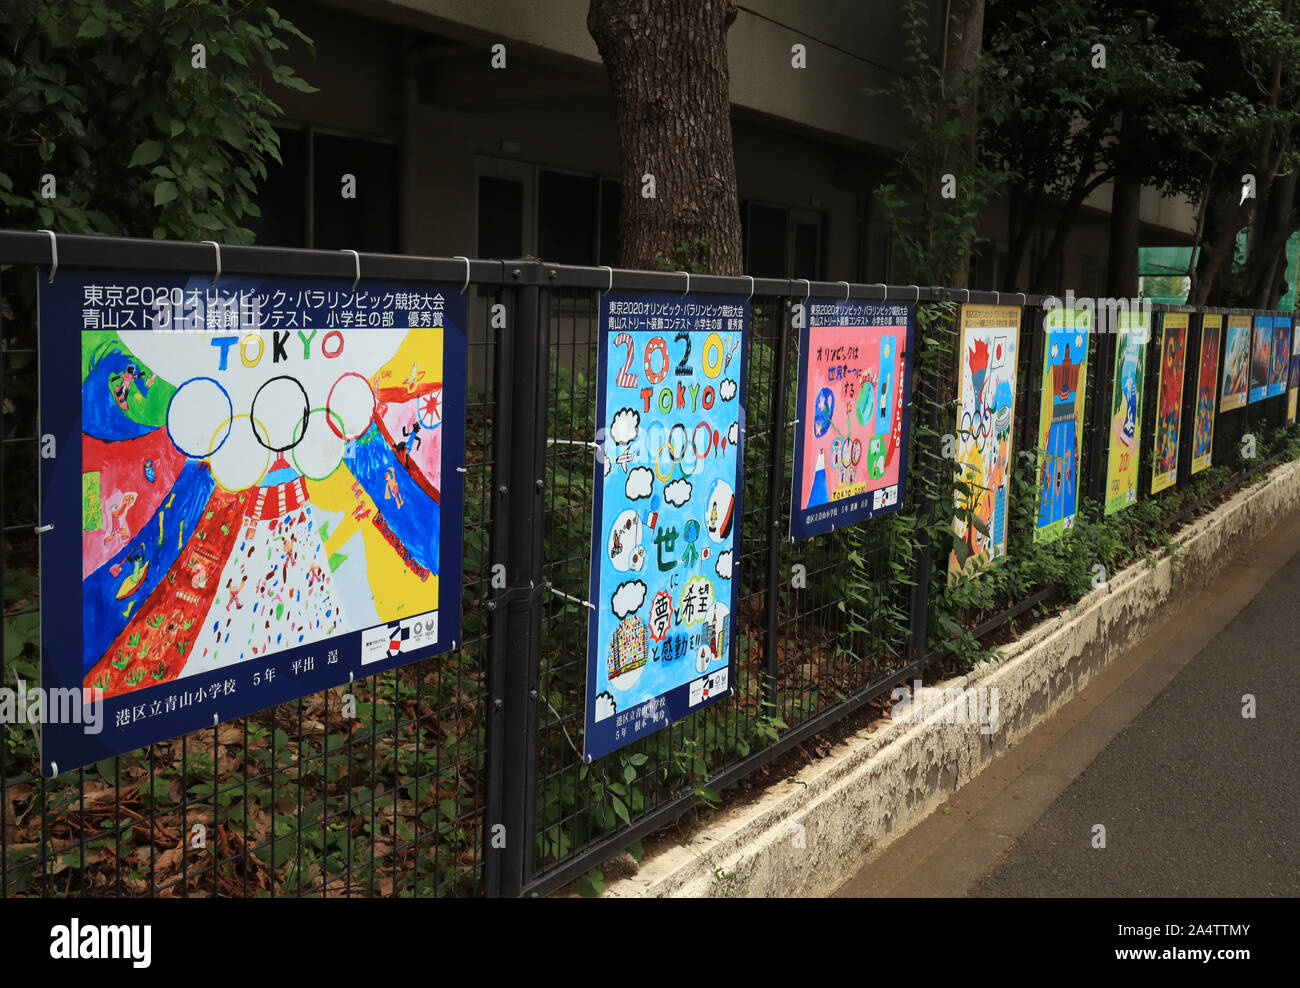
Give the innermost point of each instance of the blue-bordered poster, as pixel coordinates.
(666, 516)
(855, 386)
(1261, 358)
(253, 494)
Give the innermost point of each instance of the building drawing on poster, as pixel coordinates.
(1133, 331)
(1169, 400)
(256, 505)
(990, 336)
(1261, 358)
(1206, 383)
(1279, 357)
(850, 447)
(1064, 382)
(666, 530)
(1236, 364)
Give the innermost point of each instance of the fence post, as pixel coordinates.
(929, 383)
(776, 479)
(514, 663)
(1103, 377)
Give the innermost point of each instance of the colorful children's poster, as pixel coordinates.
(1060, 424)
(850, 445)
(990, 337)
(1293, 389)
(670, 429)
(263, 476)
(1261, 358)
(1133, 330)
(1207, 381)
(1280, 357)
(1169, 400)
(1236, 364)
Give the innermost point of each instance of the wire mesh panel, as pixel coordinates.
(371, 789)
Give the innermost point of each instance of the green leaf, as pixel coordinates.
(92, 27)
(165, 193)
(146, 154)
(621, 809)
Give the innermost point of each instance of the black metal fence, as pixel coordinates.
(462, 774)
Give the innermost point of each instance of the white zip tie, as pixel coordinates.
(577, 600)
(465, 287)
(54, 264)
(216, 247)
(884, 293)
(688, 283)
(42, 529)
(846, 289)
(573, 442)
(610, 287)
(751, 287)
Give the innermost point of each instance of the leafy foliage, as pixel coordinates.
(110, 100)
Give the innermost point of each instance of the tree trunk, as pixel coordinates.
(667, 67)
(963, 38)
(1122, 271)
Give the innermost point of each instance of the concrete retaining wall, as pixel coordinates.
(808, 833)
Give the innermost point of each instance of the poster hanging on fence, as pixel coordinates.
(1133, 330)
(1279, 356)
(1207, 381)
(1293, 388)
(1236, 364)
(259, 482)
(666, 513)
(1261, 358)
(850, 443)
(1169, 400)
(990, 337)
(1060, 420)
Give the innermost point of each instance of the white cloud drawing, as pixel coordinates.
(723, 565)
(624, 428)
(678, 493)
(727, 390)
(640, 482)
(628, 598)
(605, 705)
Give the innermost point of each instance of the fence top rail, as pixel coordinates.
(80, 250)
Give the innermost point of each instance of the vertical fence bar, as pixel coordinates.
(918, 623)
(494, 814)
(1104, 333)
(517, 650)
(776, 479)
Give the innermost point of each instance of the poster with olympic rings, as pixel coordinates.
(990, 337)
(670, 428)
(855, 386)
(253, 493)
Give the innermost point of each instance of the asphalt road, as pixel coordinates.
(1196, 799)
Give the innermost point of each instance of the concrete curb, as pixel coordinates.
(807, 833)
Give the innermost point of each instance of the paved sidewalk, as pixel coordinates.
(1195, 799)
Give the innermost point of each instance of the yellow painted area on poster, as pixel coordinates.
(417, 362)
(397, 591)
